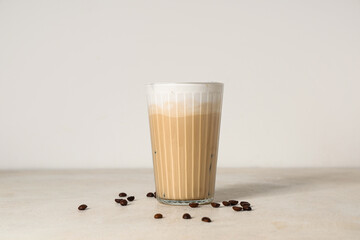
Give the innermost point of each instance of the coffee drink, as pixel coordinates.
(184, 126)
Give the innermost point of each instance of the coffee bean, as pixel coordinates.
(150, 194)
(122, 194)
(154, 194)
(123, 202)
(233, 202)
(82, 207)
(186, 216)
(215, 205)
(247, 208)
(193, 205)
(206, 219)
(226, 203)
(131, 198)
(237, 208)
(117, 200)
(158, 215)
(244, 203)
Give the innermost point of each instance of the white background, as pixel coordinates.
(72, 77)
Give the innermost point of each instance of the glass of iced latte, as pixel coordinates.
(185, 126)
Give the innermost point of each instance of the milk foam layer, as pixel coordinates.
(183, 99)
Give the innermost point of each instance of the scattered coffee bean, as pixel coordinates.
(82, 207)
(247, 208)
(233, 202)
(193, 205)
(122, 194)
(123, 202)
(117, 200)
(226, 203)
(131, 198)
(244, 203)
(186, 216)
(206, 219)
(158, 215)
(237, 208)
(150, 194)
(215, 205)
(154, 194)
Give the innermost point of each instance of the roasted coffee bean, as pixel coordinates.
(158, 215)
(244, 203)
(226, 203)
(82, 207)
(233, 202)
(193, 205)
(154, 194)
(123, 202)
(117, 200)
(206, 219)
(150, 194)
(131, 198)
(122, 194)
(215, 205)
(237, 208)
(186, 216)
(247, 208)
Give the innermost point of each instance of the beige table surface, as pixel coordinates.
(288, 204)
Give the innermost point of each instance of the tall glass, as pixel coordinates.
(185, 125)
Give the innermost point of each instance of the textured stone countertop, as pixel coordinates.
(287, 204)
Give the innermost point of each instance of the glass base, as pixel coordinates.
(184, 202)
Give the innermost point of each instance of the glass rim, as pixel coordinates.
(182, 83)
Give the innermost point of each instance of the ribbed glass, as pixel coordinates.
(185, 125)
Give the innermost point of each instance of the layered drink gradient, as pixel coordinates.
(184, 126)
